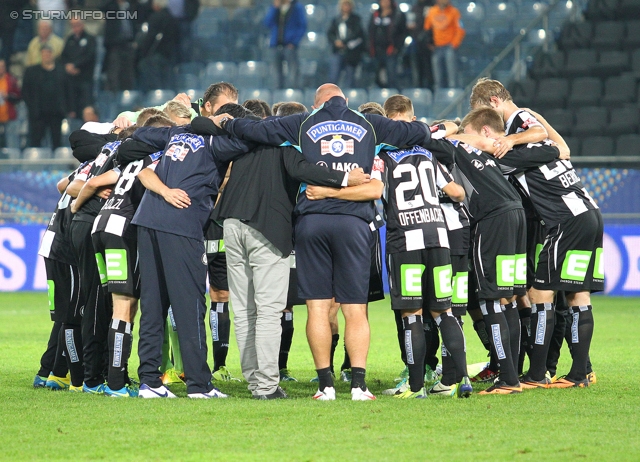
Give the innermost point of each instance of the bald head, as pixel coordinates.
(325, 92)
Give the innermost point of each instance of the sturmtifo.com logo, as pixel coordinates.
(84, 15)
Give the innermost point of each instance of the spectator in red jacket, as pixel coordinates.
(9, 95)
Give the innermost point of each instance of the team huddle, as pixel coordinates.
(278, 206)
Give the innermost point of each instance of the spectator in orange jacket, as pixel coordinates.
(9, 95)
(443, 20)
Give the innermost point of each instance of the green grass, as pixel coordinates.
(598, 423)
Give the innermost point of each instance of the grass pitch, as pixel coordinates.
(598, 423)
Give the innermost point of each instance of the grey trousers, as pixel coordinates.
(258, 282)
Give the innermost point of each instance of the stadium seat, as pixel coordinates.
(191, 67)
(10, 153)
(472, 15)
(356, 97)
(63, 153)
(590, 120)
(548, 64)
(499, 15)
(36, 153)
(192, 93)
(624, 120)
(523, 92)
(552, 93)
(576, 35)
(611, 63)
(443, 98)
(219, 71)
(422, 100)
(187, 81)
(635, 63)
(310, 73)
(574, 145)
(309, 98)
(316, 17)
(608, 35)
(600, 10)
(580, 62)
(628, 145)
(597, 146)
(129, 100)
(209, 22)
(629, 9)
(527, 11)
(560, 119)
(252, 74)
(158, 97)
(315, 46)
(256, 93)
(632, 37)
(288, 94)
(380, 95)
(585, 91)
(619, 90)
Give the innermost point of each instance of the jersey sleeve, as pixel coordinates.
(443, 177)
(227, 149)
(298, 167)
(444, 150)
(527, 156)
(151, 161)
(525, 120)
(158, 137)
(84, 173)
(280, 131)
(378, 169)
(394, 134)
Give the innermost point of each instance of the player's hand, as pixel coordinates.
(357, 177)
(104, 193)
(122, 122)
(74, 206)
(216, 119)
(178, 198)
(316, 193)
(183, 98)
(503, 145)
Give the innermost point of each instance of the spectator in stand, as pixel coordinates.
(8, 26)
(47, 38)
(119, 35)
(287, 22)
(157, 48)
(423, 42)
(184, 11)
(443, 20)
(9, 95)
(346, 36)
(90, 114)
(387, 32)
(43, 92)
(79, 59)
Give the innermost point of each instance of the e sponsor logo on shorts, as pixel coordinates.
(575, 265)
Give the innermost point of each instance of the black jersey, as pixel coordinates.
(414, 218)
(103, 163)
(555, 189)
(455, 215)
(56, 242)
(488, 191)
(519, 122)
(118, 211)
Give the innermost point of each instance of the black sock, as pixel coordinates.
(60, 367)
(415, 347)
(73, 352)
(453, 343)
(346, 364)
(481, 330)
(513, 321)
(557, 338)
(525, 332)
(325, 378)
(127, 379)
(49, 356)
(581, 333)
(400, 331)
(286, 321)
(357, 378)
(496, 323)
(542, 322)
(432, 341)
(334, 343)
(220, 332)
(119, 352)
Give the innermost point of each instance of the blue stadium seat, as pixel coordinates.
(628, 145)
(356, 96)
(219, 71)
(472, 15)
(209, 22)
(585, 91)
(288, 94)
(128, 100)
(63, 153)
(314, 46)
(255, 93)
(310, 73)
(624, 120)
(597, 146)
(422, 100)
(316, 17)
(10, 153)
(36, 153)
(158, 97)
(187, 81)
(380, 95)
(191, 67)
(309, 97)
(252, 74)
(443, 98)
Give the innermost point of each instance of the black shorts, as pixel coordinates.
(499, 255)
(376, 287)
(117, 258)
(216, 257)
(63, 284)
(571, 259)
(460, 297)
(535, 241)
(420, 279)
(333, 257)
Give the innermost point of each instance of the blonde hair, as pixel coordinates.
(398, 104)
(484, 89)
(482, 116)
(177, 109)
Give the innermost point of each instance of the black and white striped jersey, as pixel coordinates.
(413, 213)
(455, 215)
(555, 189)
